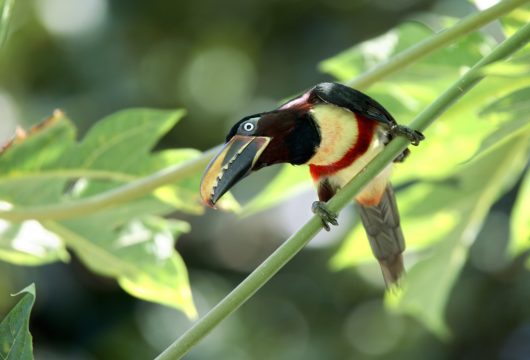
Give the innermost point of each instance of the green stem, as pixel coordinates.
(6, 9)
(148, 184)
(297, 241)
(433, 43)
(66, 174)
(109, 198)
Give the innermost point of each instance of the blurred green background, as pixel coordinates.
(220, 61)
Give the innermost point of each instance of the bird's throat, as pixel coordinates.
(345, 137)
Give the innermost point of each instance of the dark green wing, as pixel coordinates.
(353, 100)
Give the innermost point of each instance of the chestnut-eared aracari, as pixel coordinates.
(336, 130)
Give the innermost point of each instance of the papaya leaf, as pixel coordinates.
(123, 141)
(516, 19)
(478, 185)
(136, 250)
(47, 165)
(463, 127)
(35, 152)
(15, 338)
(449, 214)
(121, 145)
(511, 113)
(29, 243)
(360, 58)
(451, 169)
(159, 235)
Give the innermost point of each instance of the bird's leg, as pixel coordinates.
(328, 217)
(400, 130)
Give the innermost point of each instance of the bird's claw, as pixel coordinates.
(328, 217)
(412, 135)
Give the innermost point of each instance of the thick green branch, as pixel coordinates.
(297, 241)
(148, 184)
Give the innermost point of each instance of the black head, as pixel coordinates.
(285, 135)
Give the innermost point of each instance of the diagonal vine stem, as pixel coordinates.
(148, 184)
(297, 241)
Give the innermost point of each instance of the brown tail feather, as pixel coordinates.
(381, 223)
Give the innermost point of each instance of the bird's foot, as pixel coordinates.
(412, 135)
(402, 157)
(328, 217)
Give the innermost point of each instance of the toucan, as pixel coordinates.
(336, 131)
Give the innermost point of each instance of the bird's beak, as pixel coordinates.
(231, 164)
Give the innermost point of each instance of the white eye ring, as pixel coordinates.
(248, 126)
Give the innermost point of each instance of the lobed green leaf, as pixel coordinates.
(450, 182)
(136, 249)
(15, 338)
(47, 166)
(478, 186)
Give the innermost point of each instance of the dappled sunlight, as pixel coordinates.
(4, 205)
(29, 243)
(219, 80)
(380, 48)
(72, 18)
(373, 331)
(25, 239)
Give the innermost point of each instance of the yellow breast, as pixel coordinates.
(338, 131)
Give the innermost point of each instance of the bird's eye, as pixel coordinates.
(248, 126)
